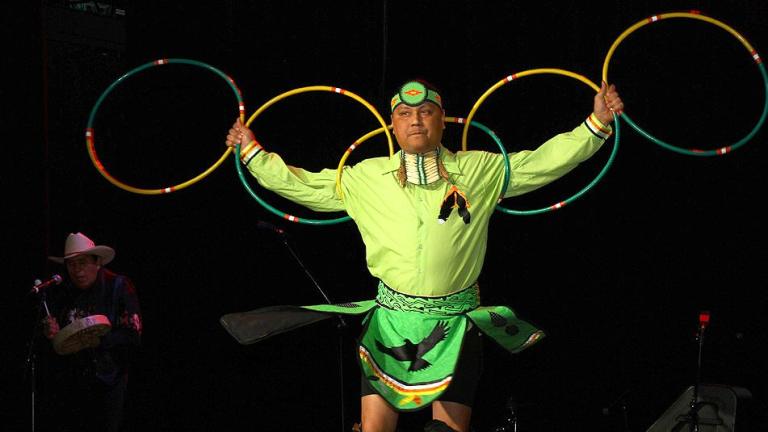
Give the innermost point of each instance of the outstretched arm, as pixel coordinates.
(314, 190)
(559, 155)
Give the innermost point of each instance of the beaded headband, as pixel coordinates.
(414, 93)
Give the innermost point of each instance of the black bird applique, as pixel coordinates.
(414, 353)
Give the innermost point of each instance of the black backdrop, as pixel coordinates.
(617, 278)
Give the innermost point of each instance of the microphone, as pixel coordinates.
(269, 227)
(703, 320)
(39, 285)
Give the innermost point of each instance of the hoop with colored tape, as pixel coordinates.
(90, 135)
(696, 16)
(278, 98)
(457, 120)
(555, 71)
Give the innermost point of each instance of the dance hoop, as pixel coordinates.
(457, 120)
(555, 71)
(238, 163)
(90, 139)
(752, 52)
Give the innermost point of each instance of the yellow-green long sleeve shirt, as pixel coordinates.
(406, 247)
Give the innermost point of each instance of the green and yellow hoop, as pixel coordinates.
(90, 139)
(695, 16)
(337, 90)
(555, 71)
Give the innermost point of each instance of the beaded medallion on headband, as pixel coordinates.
(414, 93)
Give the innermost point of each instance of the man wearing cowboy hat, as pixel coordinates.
(89, 381)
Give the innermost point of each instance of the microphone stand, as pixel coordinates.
(31, 359)
(697, 383)
(621, 402)
(692, 418)
(340, 326)
(510, 420)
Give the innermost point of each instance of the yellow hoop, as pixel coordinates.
(510, 78)
(328, 89)
(342, 92)
(351, 148)
(660, 17)
(90, 134)
(721, 150)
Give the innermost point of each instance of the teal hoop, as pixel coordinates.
(281, 214)
(502, 149)
(90, 139)
(695, 15)
(555, 71)
(716, 152)
(574, 197)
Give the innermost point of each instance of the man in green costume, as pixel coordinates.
(423, 215)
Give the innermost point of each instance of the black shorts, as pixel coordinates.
(466, 378)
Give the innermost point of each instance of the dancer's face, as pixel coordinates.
(418, 129)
